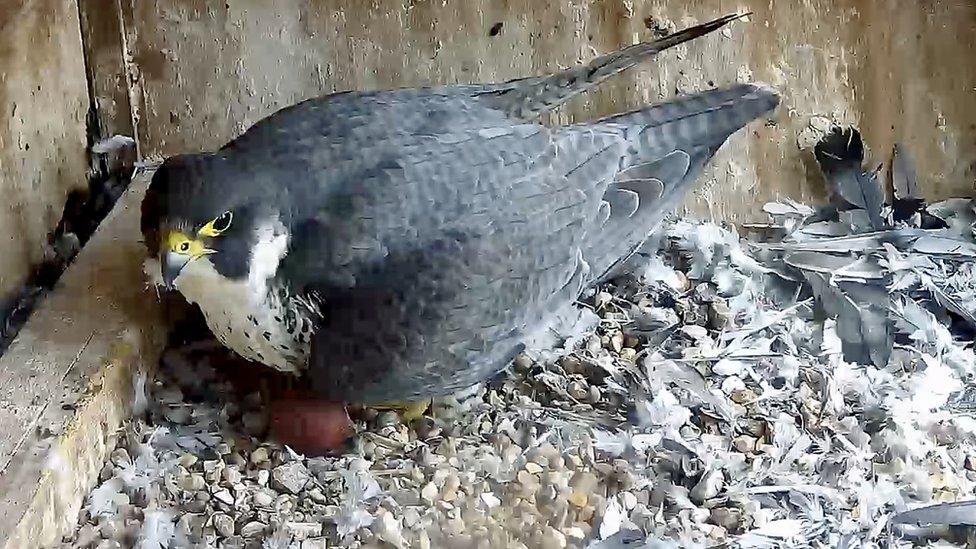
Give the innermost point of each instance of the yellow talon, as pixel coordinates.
(408, 410)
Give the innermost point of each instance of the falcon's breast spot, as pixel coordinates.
(240, 320)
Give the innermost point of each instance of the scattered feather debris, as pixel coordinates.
(805, 384)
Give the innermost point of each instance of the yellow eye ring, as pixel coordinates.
(217, 225)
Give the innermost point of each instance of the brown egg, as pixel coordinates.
(310, 426)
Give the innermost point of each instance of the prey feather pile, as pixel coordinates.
(805, 386)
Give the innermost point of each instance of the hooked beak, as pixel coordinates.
(178, 250)
(172, 264)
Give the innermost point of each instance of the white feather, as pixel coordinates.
(157, 530)
(239, 312)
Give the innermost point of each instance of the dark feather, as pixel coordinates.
(527, 98)
(840, 155)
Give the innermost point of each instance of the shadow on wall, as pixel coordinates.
(112, 163)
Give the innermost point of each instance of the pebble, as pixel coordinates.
(197, 505)
(232, 475)
(720, 315)
(121, 500)
(726, 517)
(387, 418)
(523, 362)
(262, 477)
(193, 482)
(572, 365)
(223, 524)
(490, 500)
(106, 472)
(617, 341)
(224, 496)
(87, 536)
(533, 468)
(552, 539)
(120, 457)
(450, 490)
(316, 495)
(213, 469)
(584, 482)
(291, 477)
(578, 498)
(708, 487)
(744, 443)
(755, 427)
(263, 498)
(743, 396)
(260, 455)
(252, 529)
(387, 528)
(628, 500)
(594, 345)
(192, 525)
(300, 531)
(188, 460)
(284, 505)
(579, 390)
(429, 492)
(232, 542)
(319, 467)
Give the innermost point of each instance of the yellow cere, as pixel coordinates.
(182, 244)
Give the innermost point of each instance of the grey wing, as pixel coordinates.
(434, 232)
(429, 267)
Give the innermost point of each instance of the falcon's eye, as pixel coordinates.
(218, 225)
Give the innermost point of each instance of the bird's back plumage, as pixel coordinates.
(431, 229)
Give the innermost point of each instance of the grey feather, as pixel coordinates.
(840, 154)
(951, 305)
(860, 268)
(861, 311)
(957, 513)
(527, 98)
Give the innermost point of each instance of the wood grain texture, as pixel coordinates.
(66, 382)
(900, 70)
(43, 104)
(108, 72)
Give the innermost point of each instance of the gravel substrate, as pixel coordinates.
(704, 403)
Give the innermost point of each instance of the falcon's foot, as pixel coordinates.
(408, 410)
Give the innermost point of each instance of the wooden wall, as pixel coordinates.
(188, 75)
(900, 69)
(43, 104)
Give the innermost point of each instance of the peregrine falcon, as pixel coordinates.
(400, 244)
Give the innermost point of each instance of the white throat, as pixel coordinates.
(247, 315)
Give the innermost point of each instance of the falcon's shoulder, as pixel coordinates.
(427, 239)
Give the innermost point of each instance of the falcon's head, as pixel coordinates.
(197, 209)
